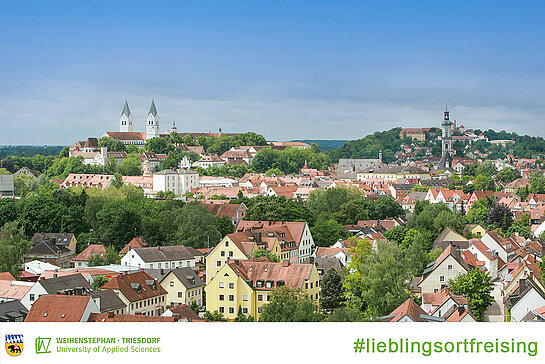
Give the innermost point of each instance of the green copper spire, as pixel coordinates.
(126, 110)
(152, 109)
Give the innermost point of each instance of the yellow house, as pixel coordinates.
(183, 286)
(248, 284)
(393, 173)
(476, 230)
(239, 246)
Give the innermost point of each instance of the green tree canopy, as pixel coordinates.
(476, 286)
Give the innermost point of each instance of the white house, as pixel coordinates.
(525, 297)
(492, 240)
(160, 257)
(179, 182)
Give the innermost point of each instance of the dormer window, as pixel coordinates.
(259, 283)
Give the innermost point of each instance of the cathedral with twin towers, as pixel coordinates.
(152, 121)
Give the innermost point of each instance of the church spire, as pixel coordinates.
(125, 121)
(126, 111)
(152, 109)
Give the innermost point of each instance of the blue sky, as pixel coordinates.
(285, 69)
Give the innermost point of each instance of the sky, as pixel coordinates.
(284, 69)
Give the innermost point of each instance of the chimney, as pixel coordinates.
(461, 309)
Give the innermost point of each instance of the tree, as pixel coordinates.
(359, 250)
(478, 213)
(345, 314)
(113, 145)
(331, 292)
(13, 246)
(98, 282)
(507, 175)
(242, 317)
(262, 253)
(289, 305)
(96, 260)
(158, 145)
(224, 225)
(130, 167)
(214, 316)
(500, 216)
(278, 208)
(111, 256)
(198, 226)
(385, 278)
(387, 207)
(327, 231)
(330, 201)
(475, 285)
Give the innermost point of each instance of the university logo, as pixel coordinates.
(14, 344)
(42, 345)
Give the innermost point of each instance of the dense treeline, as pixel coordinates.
(114, 216)
(29, 151)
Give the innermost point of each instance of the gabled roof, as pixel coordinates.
(184, 312)
(6, 276)
(60, 238)
(293, 275)
(109, 301)
(449, 251)
(407, 308)
(128, 284)
(111, 317)
(58, 285)
(164, 253)
(91, 251)
(10, 310)
(58, 308)
(524, 285)
(137, 242)
(187, 277)
(224, 209)
(294, 228)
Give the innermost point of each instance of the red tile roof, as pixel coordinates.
(58, 308)
(91, 251)
(126, 282)
(110, 317)
(410, 309)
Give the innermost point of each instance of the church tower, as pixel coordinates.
(446, 139)
(152, 127)
(446, 142)
(125, 121)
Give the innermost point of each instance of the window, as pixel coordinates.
(306, 285)
(260, 297)
(172, 283)
(231, 285)
(180, 295)
(32, 297)
(231, 297)
(230, 253)
(231, 310)
(268, 284)
(227, 243)
(268, 297)
(222, 297)
(450, 267)
(222, 309)
(311, 285)
(222, 253)
(159, 265)
(245, 297)
(441, 278)
(259, 284)
(259, 309)
(222, 285)
(244, 310)
(218, 263)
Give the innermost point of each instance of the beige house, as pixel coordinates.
(140, 292)
(183, 286)
(448, 266)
